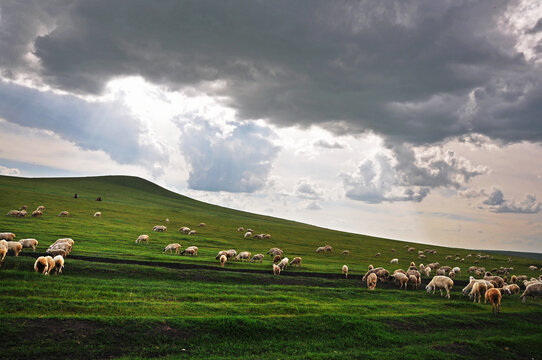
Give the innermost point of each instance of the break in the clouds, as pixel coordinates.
(237, 160)
(412, 71)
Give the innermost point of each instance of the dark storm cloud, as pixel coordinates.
(405, 70)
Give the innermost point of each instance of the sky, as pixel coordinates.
(413, 120)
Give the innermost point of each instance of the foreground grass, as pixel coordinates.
(131, 311)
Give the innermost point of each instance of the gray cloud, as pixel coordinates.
(313, 205)
(411, 71)
(329, 144)
(494, 201)
(536, 28)
(92, 126)
(236, 162)
(307, 190)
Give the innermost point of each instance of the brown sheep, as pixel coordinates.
(371, 281)
(24, 207)
(276, 269)
(64, 214)
(257, 257)
(296, 261)
(512, 288)
(56, 252)
(14, 247)
(478, 291)
(51, 262)
(22, 213)
(328, 248)
(494, 295)
(413, 281)
(41, 265)
(277, 259)
(499, 281)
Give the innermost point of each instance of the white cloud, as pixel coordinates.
(8, 171)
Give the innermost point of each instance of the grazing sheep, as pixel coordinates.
(457, 270)
(40, 208)
(451, 274)
(41, 265)
(473, 269)
(345, 253)
(473, 281)
(441, 272)
(243, 255)
(371, 281)
(192, 232)
(411, 249)
(55, 252)
(296, 261)
(202, 225)
(328, 248)
(240, 229)
(64, 214)
(399, 271)
(159, 228)
(413, 281)
(247, 235)
(283, 264)
(142, 238)
(277, 259)
(257, 257)
(231, 253)
(383, 275)
(24, 207)
(14, 247)
(478, 290)
(393, 250)
(377, 254)
(60, 246)
(345, 271)
(13, 213)
(267, 236)
(499, 281)
(184, 230)
(193, 251)
(167, 220)
(64, 240)
(533, 290)
(223, 259)
(22, 213)
(394, 261)
(276, 269)
(512, 288)
(98, 214)
(428, 271)
(171, 247)
(37, 213)
(533, 268)
(250, 230)
(3, 252)
(29, 243)
(440, 282)
(51, 263)
(59, 264)
(371, 267)
(422, 268)
(9, 236)
(494, 295)
(320, 249)
(275, 251)
(401, 278)
(220, 253)
(513, 279)
(422, 256)
(416, 274)
(448, 257)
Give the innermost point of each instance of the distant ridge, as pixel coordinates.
(529, 255)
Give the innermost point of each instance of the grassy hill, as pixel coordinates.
(98, 310)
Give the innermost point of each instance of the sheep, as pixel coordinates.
(22, 213)
(345, 253)
(64, 240)
(64, 214)
(410, 249)
(413, 281)
(440, 282)
(377, 254)
(512, 288)
(296, 261)
(98, 214)
(451, 274)
(40, 208)
(231, 253)
(171, 247)
(401, 278)
(497, 279)
(258, 236)
(240, 229)
(472, 269)
(394, 261)
(513, 279)
(192, 232)
(13, 213)
(521, 278)
(422, 268)
(51, 263)
(393, 250)
(250, 230)
(399, 271)
(416, 274)
(24, 207)
(412, 266)
(428, 271)
(29, 243)
(277, 258)
(283, 264)
(223, 259)
(267, 236)
(371, 267)
(37, 213)
(159, 228)
(276, 269)
(56, 252)
(184, 230)
(533, 268)
(320, 249)
(532, 281)
(142, 238)
(448, 257)
(275, 251)
(247, 235)
(202, 225)
(441, 272)
(471, 283)
(167, 220)
(14, 247)
(478, 290)
(59, 264)
(532, 291)
(41, 265)
(3, 252)
(328, 248)
(243, 255)
(382, 274)
(494, 295)
(371, 281)
(9, 236)
(61, 246)
(422, 256)
(345, 271)
(193, 251)
(257, 257)
(220, 253)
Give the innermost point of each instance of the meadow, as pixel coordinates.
(98, 310)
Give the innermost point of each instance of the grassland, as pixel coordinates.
(97, 310)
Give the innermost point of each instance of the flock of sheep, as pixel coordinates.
(488, 286)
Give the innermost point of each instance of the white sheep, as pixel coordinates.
(202, 225)
(13, 213)
(533, 290)
(345, 271)
(223, 259)
(243, 255)
(283, 264)
(41, 265)
(3, 252)
(478, 290)
(247, 235)
(59, 264)
(9, 236)
(51, 262)
(320, 249)
(64, 214)
(240, 229)
(345, 253)
(533, 268)
(276, 269)
(142, 238)
(192, 232)
(37, 213)
(15, 247)
(172, 247)
(98, 214)
(457, 270)
(29, 243)
(192, 250)
(371, 281)
(440, 282)
(394, 261)
(184, 230)
(257, 257)
(274, 252)
(296, 261)
(40, 208)
(159, 228)
(401, 278)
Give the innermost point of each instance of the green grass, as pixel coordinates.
(98, 310)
